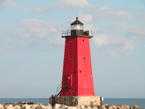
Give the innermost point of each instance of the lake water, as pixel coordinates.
(110, 101)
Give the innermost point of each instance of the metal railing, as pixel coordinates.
(84, 33)
(66, 33)
(58, 89)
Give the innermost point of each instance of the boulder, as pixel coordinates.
(30, 103)
(63, 107)
(82, 107)
(94, 107)
(135, 107)
(106, 105)
(14, 104)
(125, 107)
(38, 103)
(71, 107)
(110, 107)
(57, 106)
(34, 106)
(41, 107)
(25, 106)
(78, 107)
(1, 106)
(16, 107)
(87, 107)
(7, 103)
(9, 106)
(102, 107)
(113, 107)
(21, 102)
(48, 105)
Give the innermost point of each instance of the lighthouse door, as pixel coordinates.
(69, 80)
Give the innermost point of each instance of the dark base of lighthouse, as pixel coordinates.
(75, 100)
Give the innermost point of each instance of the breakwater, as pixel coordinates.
(32, 105)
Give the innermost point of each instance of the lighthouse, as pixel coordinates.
(77, 87)
(77, 78)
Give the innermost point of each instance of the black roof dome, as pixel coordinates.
(77, 22)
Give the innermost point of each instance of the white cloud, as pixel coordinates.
(9, 3)
(41, 9)
(105, 13)
(141, 16)
(103, 40)
(5, 49)
(114, 53)
(87, 20)
(124, 15)
(24, 9)
(129, 46)
(41, 31)
(133, 30)
(100, 12)
(66, 4)
(27, 1)
(105, 59)
(7, 40)
(104, 7)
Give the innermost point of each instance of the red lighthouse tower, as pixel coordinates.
(77, 78)
(77, 86)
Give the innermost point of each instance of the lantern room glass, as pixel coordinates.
(77, 27)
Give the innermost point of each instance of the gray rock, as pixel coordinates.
(102, 107)
(34, 106)
(72, 107)
(25, 106)
(82, 107)
(21, 102)
(63, 107)
(95, 107)
(43, 107)
(57, 106)
(16, 107)
(1, 106)
(125, 107)
(48, 105)
(135, 107)
(87, 107)
(9, 106)
(30, 103)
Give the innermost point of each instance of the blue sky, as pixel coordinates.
(32, 50)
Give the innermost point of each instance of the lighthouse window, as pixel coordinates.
(84, 58)
(80, 71)
(83, 40)
(70, 58)
(71, 40)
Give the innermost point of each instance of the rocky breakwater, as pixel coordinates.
(25, 105)
(31, 105)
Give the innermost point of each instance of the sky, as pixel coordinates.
(32, 50)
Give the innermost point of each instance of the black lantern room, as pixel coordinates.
(77, 30)
(77, 25)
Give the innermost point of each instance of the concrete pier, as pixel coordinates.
(76, 100)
